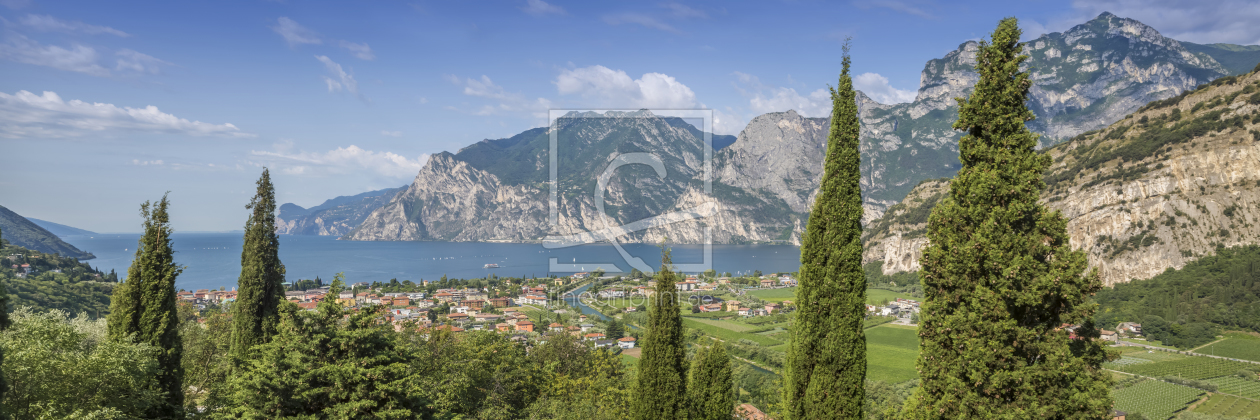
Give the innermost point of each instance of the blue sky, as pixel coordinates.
(104, 105)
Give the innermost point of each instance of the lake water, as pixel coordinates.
(214, 259)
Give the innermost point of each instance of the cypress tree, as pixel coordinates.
(999, 276)
(826, 362)
(144, 308)
(256, 312)
(711, 389)
(662, 387)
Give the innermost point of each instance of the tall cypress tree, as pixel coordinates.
(826, 361)
(256, 312)
(712, 387)
(144, 308)
(662, 388)
(999, 276)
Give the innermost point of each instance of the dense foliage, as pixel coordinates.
(144, 308)
(711, 395)
(1186, 307)
(66, 368)
(55, 282)
(826, 360)
(255, 314)
(999, 275)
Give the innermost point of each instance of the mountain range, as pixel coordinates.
(22, 232)
(763, 183)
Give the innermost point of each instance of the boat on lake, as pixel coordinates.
(492, 265)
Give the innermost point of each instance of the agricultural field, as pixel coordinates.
(1237, 346)
(730, 325)
(1197, 368)
(1155, 399)
(891, 353)
(1237, 386)
(728, 335)
(877, 296)
(774, 295)
(1226, 405)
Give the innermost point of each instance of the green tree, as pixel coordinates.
(256, 313)
(999, 276)
(4, 324)
(144, 308)
(662, 387)
(319, 366)
(70, 369)
(711, 392)
(826, 360)
(615, 330)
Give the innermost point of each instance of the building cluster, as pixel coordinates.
(901, 308)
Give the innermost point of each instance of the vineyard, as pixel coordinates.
(1237, 386)
(1225, 405)
(1197, 368)
(1155, 399)
(1239, 347)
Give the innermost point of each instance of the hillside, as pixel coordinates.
(335, 217)
(1215, 291)
(51, 281)
(59, 229)
(22, 232)
(1164, 186)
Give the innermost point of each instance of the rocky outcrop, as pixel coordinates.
(764, 183)
(1139, 198)
(335, 217)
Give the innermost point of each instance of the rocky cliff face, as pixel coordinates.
(335, 217)
(1160, 188)
(764, 184)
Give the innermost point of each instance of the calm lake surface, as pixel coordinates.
(214, 259)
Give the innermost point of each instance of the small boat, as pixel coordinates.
(492, 265)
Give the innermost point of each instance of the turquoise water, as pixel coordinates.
(213, 259)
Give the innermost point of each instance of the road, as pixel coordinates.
(1127, 343)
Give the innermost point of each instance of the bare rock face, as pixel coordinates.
(335, 217)
(1139, 197)
(765, 183)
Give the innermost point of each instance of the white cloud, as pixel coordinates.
(27, 115)
(139, 162)
(360, 51)
(604, 87)
(541, 8)
(682, 11)
(138, 62)
(77, 58)
(727, 123)
(51, 24)
(763, 99)
(1230, 21)
(341, 160)
(507, 102)
(877, 87)
(341, 79)
(391, 133)
(295, 34)
(641, 20)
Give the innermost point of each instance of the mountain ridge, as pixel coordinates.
(22, 232)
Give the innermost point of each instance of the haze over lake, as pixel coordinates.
(213, 259)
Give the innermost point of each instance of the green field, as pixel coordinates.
(1225, 405)
(774, 295)
(631, 362)
(891, 352)
(726, 334)
(1237, 386)
(1155, 399)
(877, 296)
(1238, 347)
(1197, 368)
(730, 325)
